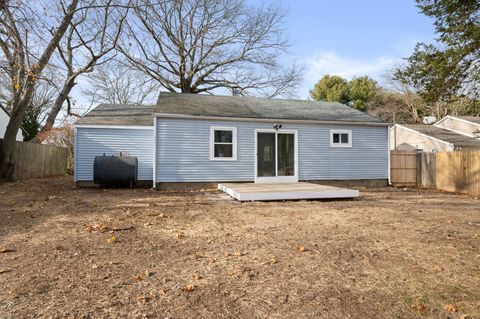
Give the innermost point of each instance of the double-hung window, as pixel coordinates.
(223, 143)
(340, 138)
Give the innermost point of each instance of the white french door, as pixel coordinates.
(276, 156)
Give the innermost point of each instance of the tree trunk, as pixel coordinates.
(7, 150)
(7, 147)
(57, 106)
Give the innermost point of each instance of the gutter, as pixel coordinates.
(266, 120)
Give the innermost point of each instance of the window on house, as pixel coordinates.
(340, 138)
(223, 143)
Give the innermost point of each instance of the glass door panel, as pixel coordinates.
(266, 154)
(285, 154)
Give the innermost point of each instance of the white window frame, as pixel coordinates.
(212, 143)
(349, 144)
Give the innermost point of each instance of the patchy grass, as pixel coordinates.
(142, 253)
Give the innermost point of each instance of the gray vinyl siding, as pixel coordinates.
(91, 142)
(183, 152)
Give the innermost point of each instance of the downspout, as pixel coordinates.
(154, 173)
(75, 153)
(388, 154)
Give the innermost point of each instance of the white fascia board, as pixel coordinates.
(251, 119)
(441, 120)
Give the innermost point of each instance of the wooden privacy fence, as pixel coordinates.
(428, 170)
(39, 160)
(403, 168)
(457, 171)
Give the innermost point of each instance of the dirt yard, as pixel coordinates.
(67, 252)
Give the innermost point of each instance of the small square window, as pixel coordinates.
(223, 143)
(340, 138)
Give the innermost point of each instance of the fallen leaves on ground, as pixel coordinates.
(95, 227)
(138, 278)
(143, 298)
(112, 239)
(301, 248)
(197, 255)
(103, 229)
(420, 307)
(269, 246)
(238, 253)
(450, 308)
(437, 269)
(178, 234)
(188, 288)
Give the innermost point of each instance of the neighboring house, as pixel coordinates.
(4, 119)
(466, 125)
(448, 134)
(204, 138)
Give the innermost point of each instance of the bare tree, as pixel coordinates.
(43, 97)
(413, 102)
(25, 65)
(44, 93)
(90, 41)
(46, 90)
(196, 46)
(117, 83)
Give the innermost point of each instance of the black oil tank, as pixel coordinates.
(120, 171)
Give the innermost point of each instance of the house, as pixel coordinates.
(190, 138)
(448, 134)
(4, 119)
(465, 125)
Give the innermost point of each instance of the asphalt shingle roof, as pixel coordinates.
(119, 114)
(225, 106)
(259, 108)
(460, 141)
(474, 119)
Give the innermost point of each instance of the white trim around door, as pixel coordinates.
(277, 179)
